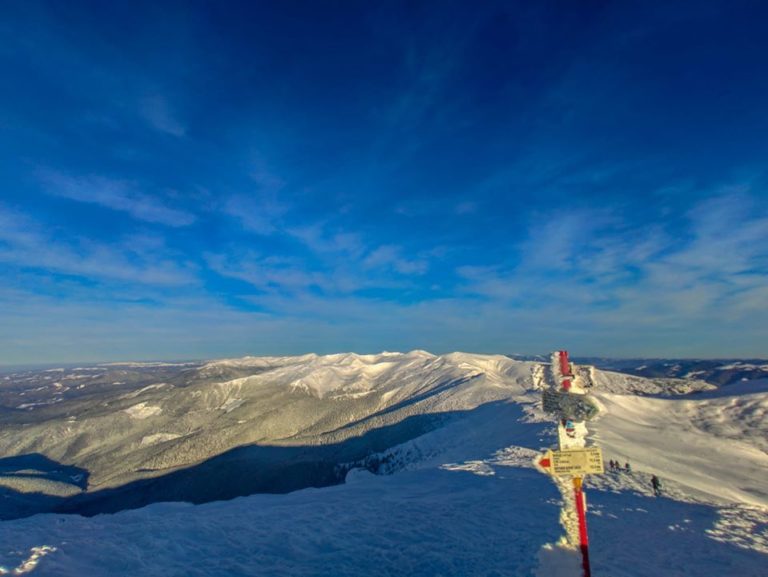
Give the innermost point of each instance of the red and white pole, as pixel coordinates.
(581, 511)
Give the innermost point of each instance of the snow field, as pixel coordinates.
(683, 441)
(464, 499)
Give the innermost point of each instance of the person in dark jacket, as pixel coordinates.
(656, 484)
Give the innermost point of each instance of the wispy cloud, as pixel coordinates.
(640, 291)
(27, 244)
(331, 265)
(322, 240)
(390, 257)
(259, 215)
(157, 111)
(118, 195)
(260, 210)
(711, 267)
(267, 273)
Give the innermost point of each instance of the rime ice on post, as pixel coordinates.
(567, 399)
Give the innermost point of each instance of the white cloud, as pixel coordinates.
(267, 274)
(390, 257)
(157, 112)
(319, 241)
(620, 292)
(591, 267)
(113, 194)
(260, 210)
(28, 244)
(259, 215)
(337, 266)
(666, 288)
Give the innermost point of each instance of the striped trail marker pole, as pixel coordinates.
(567, 398)
(581, 511)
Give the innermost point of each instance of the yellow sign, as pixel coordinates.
(574, 462)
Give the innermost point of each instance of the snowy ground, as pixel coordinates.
(464, 500)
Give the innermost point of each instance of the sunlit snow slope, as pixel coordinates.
(235, 427)
(455, 437)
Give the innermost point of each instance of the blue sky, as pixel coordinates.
(206, 179)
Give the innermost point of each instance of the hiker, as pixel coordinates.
(656, 484)
(627, 467)
(611, 464)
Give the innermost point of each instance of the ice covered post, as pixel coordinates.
(567, 398)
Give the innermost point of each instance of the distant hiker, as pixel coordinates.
(611, 464)
(656, 484)
(627, 467)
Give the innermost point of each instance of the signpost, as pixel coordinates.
(573, 462)
(573, 459)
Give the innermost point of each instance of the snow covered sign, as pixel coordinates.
(550, 401)
(574, 462)
(577, 462)
(568, 406)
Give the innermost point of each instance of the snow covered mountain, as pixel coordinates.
(236, 427)
(718, 372)
(455, 437)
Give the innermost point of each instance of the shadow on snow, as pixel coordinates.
(238, 472)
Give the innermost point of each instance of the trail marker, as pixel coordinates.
(546, 462)
(573, 459)
(578, 462)
(573, 462)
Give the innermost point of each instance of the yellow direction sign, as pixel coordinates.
(574, 462)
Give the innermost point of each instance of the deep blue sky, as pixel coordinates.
(206, 179)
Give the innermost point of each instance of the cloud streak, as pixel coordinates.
(261, 216)
(157, 112)
(709, 269)
(27, 244)
(113, 194)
